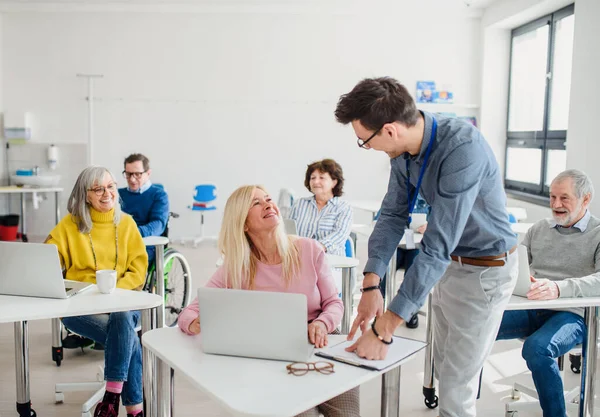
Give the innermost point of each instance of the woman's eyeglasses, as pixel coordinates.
(302, 368)
(99, 191)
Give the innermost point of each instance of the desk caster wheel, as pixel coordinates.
(575, 363)
(57, 355)
(511, 414)
(431, 400)
(59, 397)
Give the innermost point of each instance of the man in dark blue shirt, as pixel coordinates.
(469, 247)
(147, 203)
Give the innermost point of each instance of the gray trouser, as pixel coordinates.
(468, 304)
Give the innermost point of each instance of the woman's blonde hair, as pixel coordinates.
(240, 254)
(77, 204)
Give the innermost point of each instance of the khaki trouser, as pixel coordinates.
(468, 304)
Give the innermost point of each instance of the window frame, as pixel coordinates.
(545, 139)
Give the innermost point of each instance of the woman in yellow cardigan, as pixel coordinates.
(96, 235)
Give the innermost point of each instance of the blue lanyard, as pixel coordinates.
(413, 200)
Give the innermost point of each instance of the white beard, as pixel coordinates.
(570, 215)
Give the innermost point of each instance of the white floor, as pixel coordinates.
(504, 362)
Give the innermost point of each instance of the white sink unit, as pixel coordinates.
(36, 180)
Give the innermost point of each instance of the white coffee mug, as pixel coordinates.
(418, 220)
(106, 280)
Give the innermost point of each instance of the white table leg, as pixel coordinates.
(390, 393)
(347, 299)
(586, 407)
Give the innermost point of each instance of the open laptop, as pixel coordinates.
(523, 281)
(33, 270)
(290, 226)
(254, 324)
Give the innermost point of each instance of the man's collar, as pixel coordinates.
(427, 127)
(142, 189)
(581, 224)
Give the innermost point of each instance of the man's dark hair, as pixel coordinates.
(134, 157)
(333, 169)
(377, 101)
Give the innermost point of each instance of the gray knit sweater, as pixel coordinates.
(569, 256)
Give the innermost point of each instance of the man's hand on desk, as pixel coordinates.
(543, 289)
(195, 326)
(368, 346)
(370, 305)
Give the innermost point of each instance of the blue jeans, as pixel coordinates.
(122, 348)
(550, 334)
(404, 260)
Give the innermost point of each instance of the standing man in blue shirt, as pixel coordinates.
(147, 203)
(469, 247)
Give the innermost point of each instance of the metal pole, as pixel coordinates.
(22, 367)
(162, 374)
(23, 219)
(428, 372)
(148, 366)
(57, 205)
(90, 99)
(172, 381)
(586, 408)
(347, 299)
(390, 282)
(390, 393)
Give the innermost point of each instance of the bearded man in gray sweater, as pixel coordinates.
(564, 260)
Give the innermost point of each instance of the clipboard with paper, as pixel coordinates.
(401, 349)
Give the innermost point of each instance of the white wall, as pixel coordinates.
(230, 98)
(583, 146)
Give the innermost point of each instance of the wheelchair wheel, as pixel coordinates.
(178, 285)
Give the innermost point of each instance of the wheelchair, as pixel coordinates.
(178, 285)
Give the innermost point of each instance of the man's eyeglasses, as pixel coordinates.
(302, 368)
(136, 175)
(361, 143)
(99, 191)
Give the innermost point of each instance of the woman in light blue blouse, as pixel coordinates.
(324, 216)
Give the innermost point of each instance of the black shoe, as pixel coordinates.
(74, 341)
(413, 323)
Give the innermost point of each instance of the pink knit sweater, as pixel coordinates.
(314, 280)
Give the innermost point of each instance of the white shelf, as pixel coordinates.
(448, 105)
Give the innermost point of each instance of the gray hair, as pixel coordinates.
(78, 205)
(581, 182)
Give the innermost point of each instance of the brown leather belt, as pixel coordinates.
(496, 260)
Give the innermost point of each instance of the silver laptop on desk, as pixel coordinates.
(33, 270)
(254, 324)
(523, 281)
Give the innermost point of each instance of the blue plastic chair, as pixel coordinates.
(205, 193)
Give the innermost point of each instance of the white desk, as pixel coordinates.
(347, 266)
(372, 206)
(520, 228)
(591, 305)
(22, 191)
(20, 310)
(255, 387)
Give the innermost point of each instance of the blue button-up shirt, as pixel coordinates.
(463, 185)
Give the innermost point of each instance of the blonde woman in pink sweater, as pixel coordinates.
(260, 256)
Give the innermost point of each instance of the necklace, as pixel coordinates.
(116, 249)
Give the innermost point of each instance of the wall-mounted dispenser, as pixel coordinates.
(52, 156)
